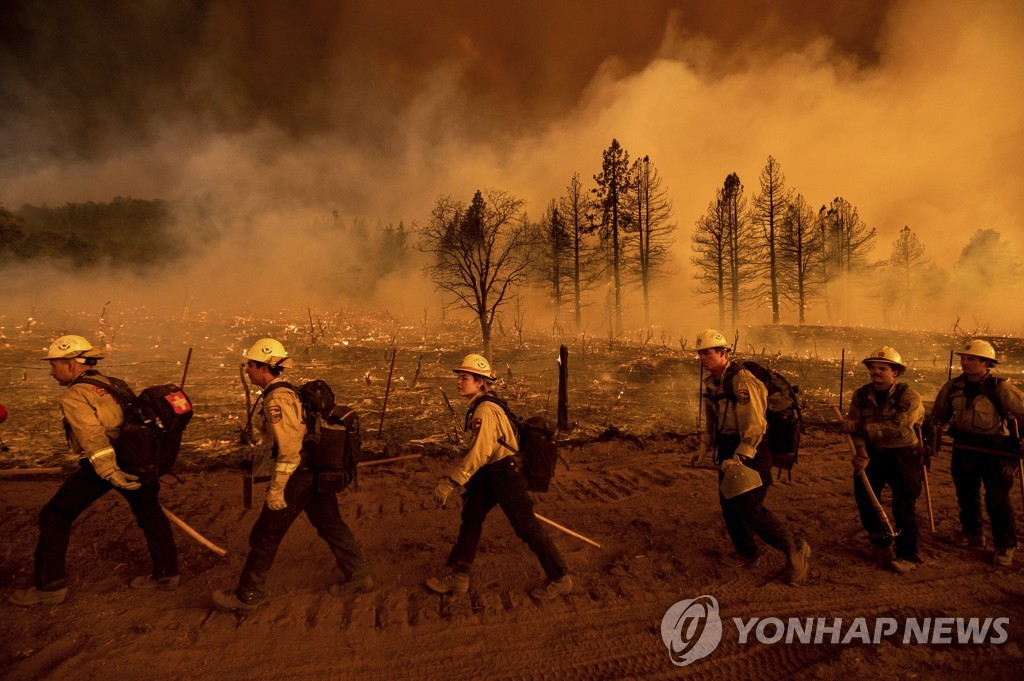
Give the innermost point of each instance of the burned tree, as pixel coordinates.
(724, 246)
(799, 254)
(555, 254)
(767, 212)
(845, 238)
(576, 211)
(907, 257)
(480, 251)
(650, 208)
(845, 243)
(710, 240)
(611, 187)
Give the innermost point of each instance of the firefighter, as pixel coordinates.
(292, 490)
(735, 432)
(884, 420)
(492, 475)
(92, 423)
(980, 408)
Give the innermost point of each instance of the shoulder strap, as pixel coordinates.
(489, 398)
(117, 388)
(990, 389)
(730, 374)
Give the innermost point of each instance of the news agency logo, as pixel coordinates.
(691, 629)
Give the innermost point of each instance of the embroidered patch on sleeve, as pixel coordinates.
(274, 414)
(743, 396)
(98, 390)
(476, 424)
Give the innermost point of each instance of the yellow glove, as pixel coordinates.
(444, 490)
(275, 493)
(105, 466)
(860, 459)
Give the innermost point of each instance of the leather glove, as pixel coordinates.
(701, 453)
(730, 462)
(123, 480)
(106, 468)
(444, 490)
(275, 493)
(860, 460)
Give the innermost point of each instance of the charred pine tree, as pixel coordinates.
(767, 212)
(906, 259)
(726, 251)
(556, 255)
(610, 192)
(577, 212)
(845, 240)
(650, 208)
(799, 256)
(481, 252)
(710, 258)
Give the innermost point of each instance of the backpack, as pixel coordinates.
(783, 414)
(332, 444)
(537, 445)
(1011, 444)
(154, 421)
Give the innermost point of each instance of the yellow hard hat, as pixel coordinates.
(476, 365)
(885, 354)
(268, 351)
(712, 338)
(979, 348)
(73, 347)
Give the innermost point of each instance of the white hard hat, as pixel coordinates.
(268, 351)
(73, 347)
(712, 338)
(476, 365)
(979, 348)
(886, 355)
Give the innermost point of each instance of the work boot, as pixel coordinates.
(151, 582)
(1004, 557)
(29, 597)
(738, 560)
(352, 587)
(229, 601)
(453, 582)
(553, 588)
(798, 562)
(974, 541)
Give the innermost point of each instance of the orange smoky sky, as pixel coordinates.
(911, 110)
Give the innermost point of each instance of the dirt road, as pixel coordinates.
(662, 536)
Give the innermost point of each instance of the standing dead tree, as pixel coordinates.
(650, 209)
(610, 194)
(767, 212)
(799, 256)
(577, 212)
(481, 251)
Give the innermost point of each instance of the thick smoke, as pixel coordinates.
(281, 116)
